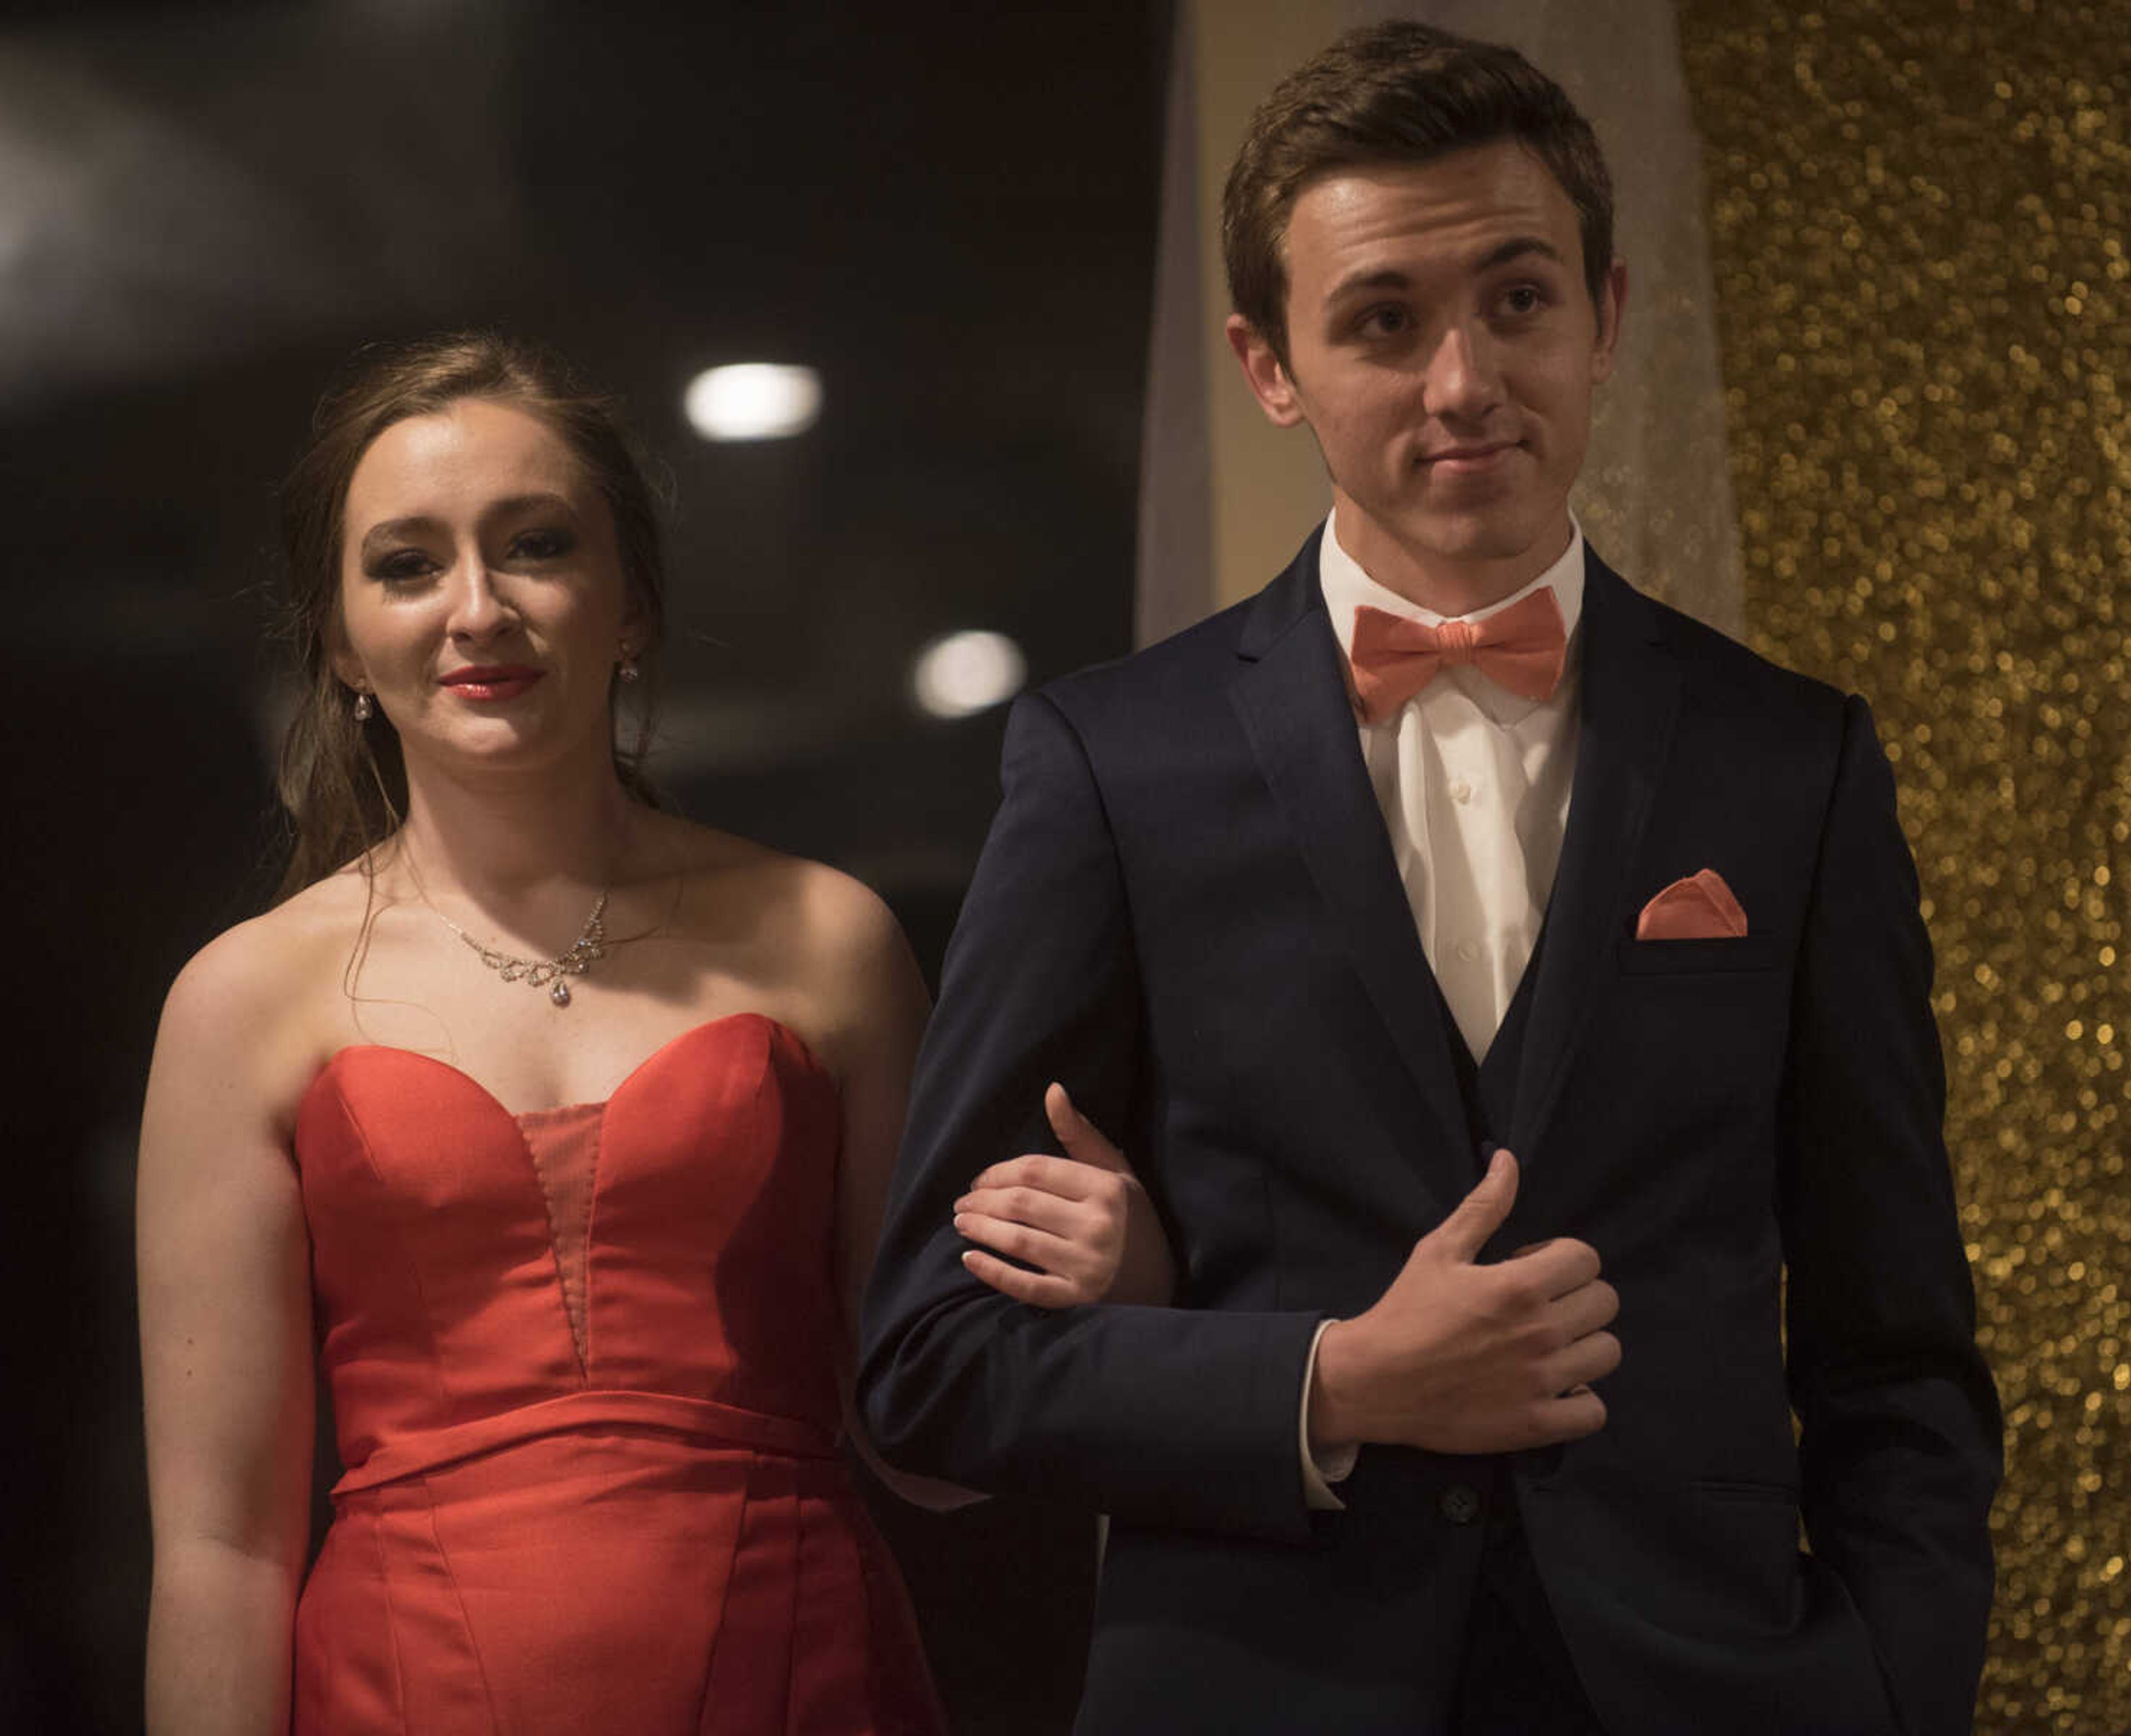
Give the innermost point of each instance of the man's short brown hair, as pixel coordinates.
(1397, 92)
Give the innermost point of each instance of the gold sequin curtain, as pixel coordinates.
(1919, 217)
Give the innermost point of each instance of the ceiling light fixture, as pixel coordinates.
(753, 401)
(965, 673)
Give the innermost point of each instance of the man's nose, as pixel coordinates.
(1463, 382)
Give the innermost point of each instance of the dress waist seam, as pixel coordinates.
(713, 1424)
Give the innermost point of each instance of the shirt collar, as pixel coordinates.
(1346, 587)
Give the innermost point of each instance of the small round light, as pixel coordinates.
(753, 401)
(967, 672)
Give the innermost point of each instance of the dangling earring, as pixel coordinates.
(363, 709)
(627, 669)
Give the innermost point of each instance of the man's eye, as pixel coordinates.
(1386, 322)
(1523, 298)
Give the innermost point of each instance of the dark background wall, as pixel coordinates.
(946, 209)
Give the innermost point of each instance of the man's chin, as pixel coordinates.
(1479, 540)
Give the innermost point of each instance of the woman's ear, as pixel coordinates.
(341, 658)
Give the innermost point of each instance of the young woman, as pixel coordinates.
(553, 1127)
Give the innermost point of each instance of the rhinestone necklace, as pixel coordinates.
(551, 974)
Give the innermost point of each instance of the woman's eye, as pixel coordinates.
(541, 545)
(401, 566)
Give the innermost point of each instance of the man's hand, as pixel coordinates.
(1461, 1358)
(1083, 1219)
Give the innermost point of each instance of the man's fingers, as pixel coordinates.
(1558, 1269)
(1083, 1140)
(1040, 1289)
(1591, 1358)
(1582, 1311)
(1481, 1213)
(1572, 1415)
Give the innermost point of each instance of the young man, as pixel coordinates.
(1513, 997)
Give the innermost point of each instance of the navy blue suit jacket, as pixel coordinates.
(1188, 911)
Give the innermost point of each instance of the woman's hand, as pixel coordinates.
(1084, 1219)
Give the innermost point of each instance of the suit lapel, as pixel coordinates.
(1630, 701)
(1290, 693)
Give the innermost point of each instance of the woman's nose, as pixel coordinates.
(479, 610)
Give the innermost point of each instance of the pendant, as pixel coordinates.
(560, 994)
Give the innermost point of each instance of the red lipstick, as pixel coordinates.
(492, 681)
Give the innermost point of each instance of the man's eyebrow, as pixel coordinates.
(1391, 277)
(1386, 277)
(1516, 247)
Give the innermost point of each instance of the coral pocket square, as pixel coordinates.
(1699, 907)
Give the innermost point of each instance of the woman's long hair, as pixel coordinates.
(343, 782)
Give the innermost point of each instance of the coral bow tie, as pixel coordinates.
(1521, 649)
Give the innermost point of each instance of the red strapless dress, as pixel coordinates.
(583, 1367)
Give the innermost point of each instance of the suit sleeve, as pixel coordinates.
(1900, 1444)
(1172, 1415)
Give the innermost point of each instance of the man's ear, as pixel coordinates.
(1609, 304)
(1264, 372)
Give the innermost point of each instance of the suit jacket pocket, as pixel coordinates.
(1754, 1526)
(1696, 957)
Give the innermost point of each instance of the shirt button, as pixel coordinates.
(1468, 950)
(1459, 1504)
(1460, 790)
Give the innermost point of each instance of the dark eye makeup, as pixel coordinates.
(405, 565)
(547, 542)
(396, 566)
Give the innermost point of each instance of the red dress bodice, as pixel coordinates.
(584, 1374)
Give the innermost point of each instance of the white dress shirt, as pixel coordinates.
(1473, 782)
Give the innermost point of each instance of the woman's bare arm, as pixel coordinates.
(882, 1006)
(226, 1354)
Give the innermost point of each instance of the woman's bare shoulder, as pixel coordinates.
(808, 942)
(815, 912)
(246, 1001)
(264, 958)
(717, 870)
(670, 844)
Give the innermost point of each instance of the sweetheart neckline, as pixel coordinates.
(798, 1042)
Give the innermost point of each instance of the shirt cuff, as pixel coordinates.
(1318, 1476)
